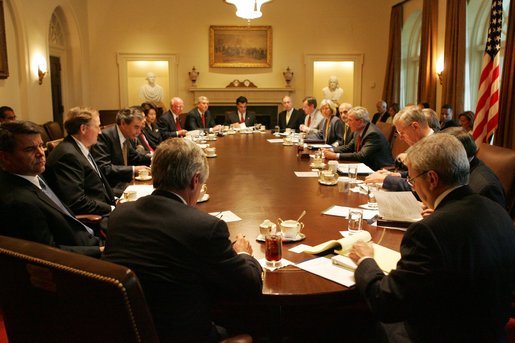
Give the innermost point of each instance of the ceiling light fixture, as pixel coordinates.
(248, 9)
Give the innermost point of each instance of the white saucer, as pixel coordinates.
(204, 198)
(146, 178)
(300, 237)
(230, 133)
(123, 200)
(288, 144)
(211, 156)
(327, 183)
(318, 166)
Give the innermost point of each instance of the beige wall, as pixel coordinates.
(99, 29)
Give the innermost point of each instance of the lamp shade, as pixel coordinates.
(248, 9)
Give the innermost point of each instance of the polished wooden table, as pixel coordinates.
(255, 179)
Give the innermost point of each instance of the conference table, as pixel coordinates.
(255, 180)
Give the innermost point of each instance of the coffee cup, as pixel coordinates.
(210, 151)
(262, 127)
(143, 173)
(328, 176)
(211, 136)
(291, 228)
(287, 131)
(317, 161)
(266, 227)
(130, 195)
(332, 166)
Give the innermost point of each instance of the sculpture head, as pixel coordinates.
(333, 83)
(151, 78)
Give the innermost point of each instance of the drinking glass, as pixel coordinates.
(273, 248)
(355, 220)
(373, 188)
(353, 176)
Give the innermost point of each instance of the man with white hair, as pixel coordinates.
(368, 145)
(200, 118)
(169, 124)
(290, 117)
(343, 110)
(456, 274)
(381, 115)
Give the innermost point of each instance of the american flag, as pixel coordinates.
(487, 110)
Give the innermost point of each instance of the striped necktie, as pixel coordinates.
(125, 152)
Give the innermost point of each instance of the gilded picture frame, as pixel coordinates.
(4, 67)
(240, 46)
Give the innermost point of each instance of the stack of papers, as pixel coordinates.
(362, 168)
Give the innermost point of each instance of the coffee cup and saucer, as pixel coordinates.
(210, 152)
(203, 196)
(143, 175)
(328, 178)
(291, 230)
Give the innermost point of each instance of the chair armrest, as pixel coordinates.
(89, 218)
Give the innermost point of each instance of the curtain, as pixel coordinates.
(392, 80)
(453, 90)
(427, 78)
(505, 134)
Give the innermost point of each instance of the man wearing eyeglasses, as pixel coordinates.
(456, 274)
(412, 126)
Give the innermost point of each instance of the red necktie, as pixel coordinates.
(242, 120)
(309, 119)
(358, 143)
(144, 140)
(203, 120)
(178, 124)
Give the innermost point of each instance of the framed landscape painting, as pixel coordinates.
(240, 46)
(4, 68)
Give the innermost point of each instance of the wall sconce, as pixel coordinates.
(42, 71)
(439, 69)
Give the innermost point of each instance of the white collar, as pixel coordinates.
(121, 136)
(82, 147)
(32, 179)
(442, 196)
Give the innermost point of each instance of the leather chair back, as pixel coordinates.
(387, 129)
(502, 162)
(44, 135)
(398, 146)
(54, 130)
(52, 144)
(51, 295)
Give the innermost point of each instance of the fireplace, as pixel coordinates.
(265, 102)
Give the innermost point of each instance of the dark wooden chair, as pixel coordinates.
(44, 135)
(398, 146)
(54, 130)
(51, 295)
(182, 119)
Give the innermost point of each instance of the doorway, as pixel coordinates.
(57, 94)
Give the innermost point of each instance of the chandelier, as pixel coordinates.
(248, 9)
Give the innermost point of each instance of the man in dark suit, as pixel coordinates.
(381, 114)
(200, 118)
(368, 145)
(446, 117)
(71, 170)
(182, 256)
(482, 179)
(28, 207)
(343, 110)
(114, 154)
(412, 125)
(169, 124)
(241, 116)
(456, 274)
(290, 117)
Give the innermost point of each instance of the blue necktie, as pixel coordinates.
(49, 193)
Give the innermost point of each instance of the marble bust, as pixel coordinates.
(151, 91)
(333, 91)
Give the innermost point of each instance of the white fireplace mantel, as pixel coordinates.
(256, 96)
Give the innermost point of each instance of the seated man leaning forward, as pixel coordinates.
(28, 207)
(182, 256)
(456, 274)
(368, 146)
(114, 154)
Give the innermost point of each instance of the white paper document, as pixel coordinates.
(306, 174)
(320, 146)
(226, 216)
(284, 263)
(362, 168)
(299, 248)
(399, 206)
(324, 267)
(343, 211)
(141, 190)
(275, 140)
